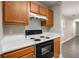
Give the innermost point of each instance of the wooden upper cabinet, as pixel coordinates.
(15, 12)
(34, 7)
(56, 47)
(43, 10)
(50, 21)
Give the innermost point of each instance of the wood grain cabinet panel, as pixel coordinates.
(30, 55)
(0, 56)
(50, 21)
(56, 47)
(43, 10)
(15, 12)
(19, 53)
(34, 7)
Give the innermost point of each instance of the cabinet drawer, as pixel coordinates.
(30, 55)
(19, 53)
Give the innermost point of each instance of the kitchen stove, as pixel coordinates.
(44, 44)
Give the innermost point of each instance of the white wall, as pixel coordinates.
(57, 19)
(20, 29)
(14, 30)
(1, 28)
(68, 29)
(76, 25)
(77, 28)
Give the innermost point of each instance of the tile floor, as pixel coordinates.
(70, 49)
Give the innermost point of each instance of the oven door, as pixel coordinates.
(44, 50)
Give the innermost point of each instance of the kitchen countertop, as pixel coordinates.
(10, 43)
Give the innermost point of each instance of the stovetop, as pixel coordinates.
(43, 37)
(38, 37)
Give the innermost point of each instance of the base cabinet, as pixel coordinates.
(56, 47)
(0, 56)
(30, 55)
(27, 52)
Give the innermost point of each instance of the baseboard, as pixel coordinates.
(60, 56)
(77, 34)
(68, 39)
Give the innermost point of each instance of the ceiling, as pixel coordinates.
(48, 3)
(70, 8)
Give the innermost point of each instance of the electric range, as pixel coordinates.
(44, 45)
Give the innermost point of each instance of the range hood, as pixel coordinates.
(38, 17)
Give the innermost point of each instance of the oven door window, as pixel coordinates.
(46, 49)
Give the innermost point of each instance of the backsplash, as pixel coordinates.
(34, 24)
(20, 29)
(14, 29)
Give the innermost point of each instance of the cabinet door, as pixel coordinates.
(30, 55)
(34, 7)
(43, 10)
(56, 47)
(0, 56)
(49, 22)
(19, 53)
(15, 12)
